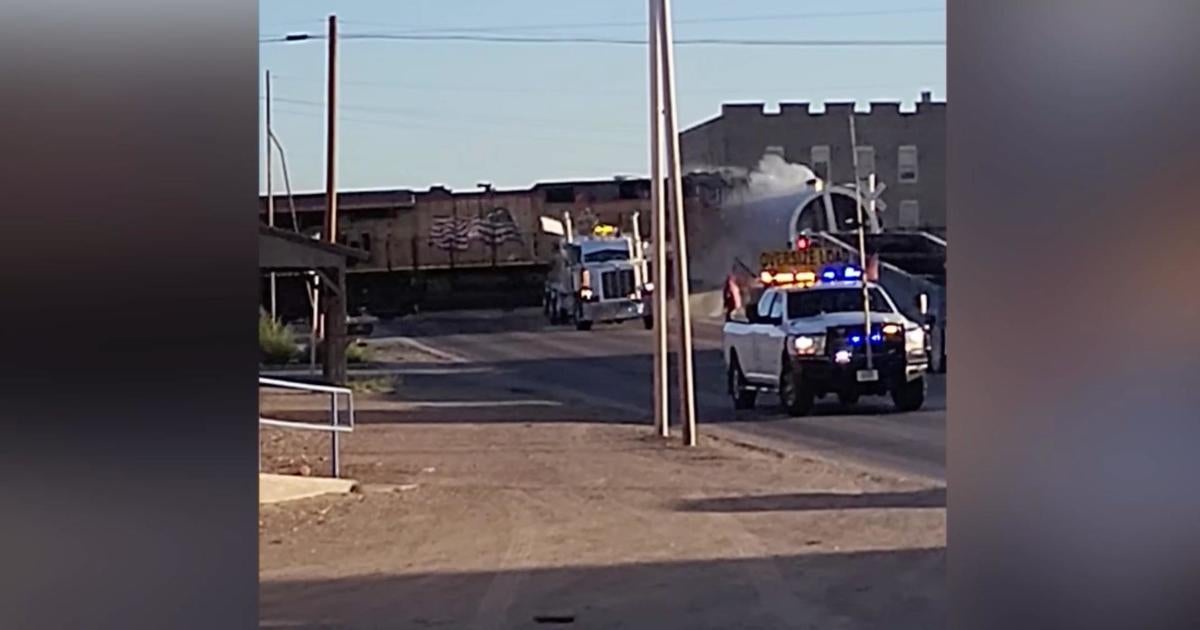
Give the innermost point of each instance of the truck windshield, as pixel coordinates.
(605, 255)
(821, 301)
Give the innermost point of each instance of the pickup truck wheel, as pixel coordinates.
(796, 396)
(743, 398)
(909, 396)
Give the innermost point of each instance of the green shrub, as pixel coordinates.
(356, 353)
(275, 341)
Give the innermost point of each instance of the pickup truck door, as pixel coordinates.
(756, 369)
(772, 338)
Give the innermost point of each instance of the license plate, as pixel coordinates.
(868, 376)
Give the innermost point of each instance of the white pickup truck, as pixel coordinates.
(808, 342)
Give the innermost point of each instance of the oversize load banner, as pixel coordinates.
(808, 258)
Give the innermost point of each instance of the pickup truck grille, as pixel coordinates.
(617, 284)
(842, 338)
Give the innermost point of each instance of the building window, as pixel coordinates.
(866, 161)
(906, 164)
(821, 161)
(910, 213)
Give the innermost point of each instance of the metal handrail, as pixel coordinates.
(335, 428)
(311, 387)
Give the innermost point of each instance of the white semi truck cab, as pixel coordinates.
(598, 277)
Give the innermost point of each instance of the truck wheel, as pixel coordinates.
(796, 396)
(742, 398)
(580, 324)
(648, 322)
(909, 396)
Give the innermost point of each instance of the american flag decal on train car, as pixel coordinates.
(496, 228)
(450, 233)
(456, 233)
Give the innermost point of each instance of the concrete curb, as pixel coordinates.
(281, 488)
(430, 350)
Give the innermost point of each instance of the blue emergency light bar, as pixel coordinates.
(858, 339)
(836, 273)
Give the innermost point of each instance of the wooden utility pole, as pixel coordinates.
(687, 382)
(270, 188)
(331, 136)
(658, 227)
(335, 300)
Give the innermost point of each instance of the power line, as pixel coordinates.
(572, 136)
(612, 41)
(471, 88)
(405, 111)
(642, 24)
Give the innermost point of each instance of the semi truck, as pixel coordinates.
(601, 276)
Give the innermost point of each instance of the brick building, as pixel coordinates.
(905, 149)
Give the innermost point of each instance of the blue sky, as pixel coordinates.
(414, 114)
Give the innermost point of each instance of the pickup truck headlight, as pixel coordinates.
(648, 287)
(806, 345)
(586, 294)
(914, 341)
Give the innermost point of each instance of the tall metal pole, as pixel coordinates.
(862, 241)
(658, 229)
(687, 383)
(270, 188)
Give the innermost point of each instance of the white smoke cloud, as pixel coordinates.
(775, 176)
(753, 217)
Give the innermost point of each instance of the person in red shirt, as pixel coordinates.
(733, 295)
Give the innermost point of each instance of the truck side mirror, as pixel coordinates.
(922, 304)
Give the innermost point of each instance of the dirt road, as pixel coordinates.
(591, 524)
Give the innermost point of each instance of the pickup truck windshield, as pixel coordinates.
(818, 302)
(605, 255)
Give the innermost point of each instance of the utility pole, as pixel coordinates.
(331, 136)
(270, 188)
(687, 382)
(658, 228)
(862, 241)
(335, 302)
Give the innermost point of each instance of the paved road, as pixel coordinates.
(610, 368)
